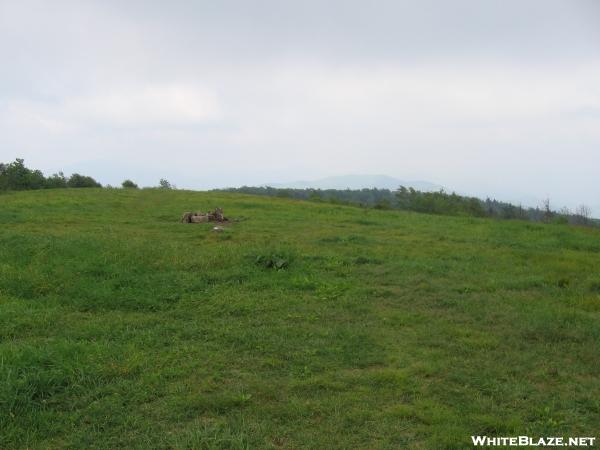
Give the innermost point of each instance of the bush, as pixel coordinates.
(383, 203)
(164, 184)
(128, 184)
(15, 176)
(57, 180)
(81, 181)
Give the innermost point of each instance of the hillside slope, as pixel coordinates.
(122, 328)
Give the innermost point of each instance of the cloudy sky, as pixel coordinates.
(496, 97)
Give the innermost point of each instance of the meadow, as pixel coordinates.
(302, 325)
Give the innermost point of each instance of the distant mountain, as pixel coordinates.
(358, 182)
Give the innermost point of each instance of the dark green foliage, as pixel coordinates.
(560, 220)
(272, 262)
(314, 196)
(128, 184)
(563, 282)
(57, 180)
(383, 203)
(410, 199)
(81, 181)
(165, 184)
(595, 287)
(284, 193)
(439, 203)
(16, 177)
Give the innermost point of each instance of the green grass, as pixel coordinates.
(122, 328)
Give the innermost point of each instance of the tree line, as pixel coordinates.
(15, 176)
(437, 202)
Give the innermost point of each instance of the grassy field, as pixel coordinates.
(122, 328)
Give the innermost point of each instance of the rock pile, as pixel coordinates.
(199, 217)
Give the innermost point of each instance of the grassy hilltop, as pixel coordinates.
(122, 328)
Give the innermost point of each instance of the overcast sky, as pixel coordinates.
(495, 97)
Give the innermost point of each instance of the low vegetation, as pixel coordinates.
(439, 202)
(128, 184)
(301, 325)
(16, 177)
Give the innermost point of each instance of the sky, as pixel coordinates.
(491, 98)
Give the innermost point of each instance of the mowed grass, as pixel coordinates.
(122, 328)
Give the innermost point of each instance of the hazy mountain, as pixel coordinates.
(358, 182)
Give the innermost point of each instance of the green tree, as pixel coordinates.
(15, 176)
(56, 180)
(128, 184)
(81, 181)
(165, 184)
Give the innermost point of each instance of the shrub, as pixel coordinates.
(80, 181)
(15, 176)
(57, 180)
(128, 184)
(164, 184)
